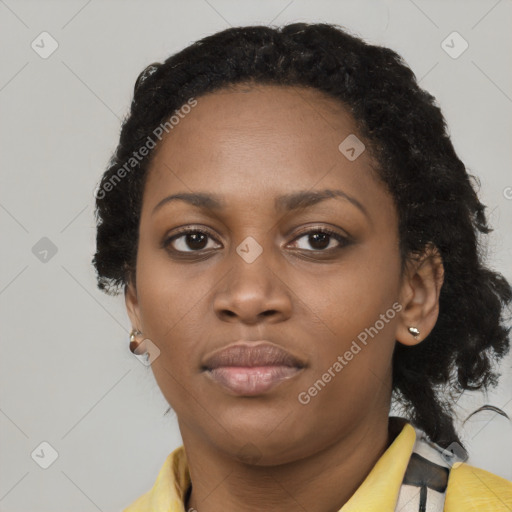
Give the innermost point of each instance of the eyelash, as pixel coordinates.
(343, 240)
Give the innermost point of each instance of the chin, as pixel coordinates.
(262, 443)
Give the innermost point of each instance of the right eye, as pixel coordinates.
(193, 239)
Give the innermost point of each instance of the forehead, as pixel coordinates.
(265, 112)
(250, 141)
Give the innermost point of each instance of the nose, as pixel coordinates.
(251, 293)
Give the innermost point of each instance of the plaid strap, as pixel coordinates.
(425, 481)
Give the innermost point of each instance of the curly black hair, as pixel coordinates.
(403, 128)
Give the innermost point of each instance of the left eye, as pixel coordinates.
(320, 239)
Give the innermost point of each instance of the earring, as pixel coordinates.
(134, 344)
(414, 331)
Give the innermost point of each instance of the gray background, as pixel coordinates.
(67, 376)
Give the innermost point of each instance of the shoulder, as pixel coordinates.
(168, 491)
(474, 489)
(466, 488)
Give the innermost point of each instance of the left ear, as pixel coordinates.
(132, 304)
(419, 295)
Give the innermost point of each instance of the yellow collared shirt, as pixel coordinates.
(469, 489)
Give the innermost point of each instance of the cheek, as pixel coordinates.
(165, 294)
(354, 294)
(357, 305)
(173, 300)
(162, 304)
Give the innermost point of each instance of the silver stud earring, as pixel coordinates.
(415, 332)
(134, 343)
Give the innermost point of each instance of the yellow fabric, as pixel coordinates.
(469, 488)
(472, 489)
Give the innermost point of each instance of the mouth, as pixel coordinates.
(251, 368)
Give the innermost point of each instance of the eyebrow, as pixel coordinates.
(287, 202)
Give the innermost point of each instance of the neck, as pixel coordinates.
(323, 482)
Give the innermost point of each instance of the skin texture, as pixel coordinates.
(249, 146)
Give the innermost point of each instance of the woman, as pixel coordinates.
(297, 243)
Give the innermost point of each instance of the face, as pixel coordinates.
(268, 255)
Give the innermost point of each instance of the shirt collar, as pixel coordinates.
(377, 493)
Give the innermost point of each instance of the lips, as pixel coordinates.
(251, 354)
(251, 368)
